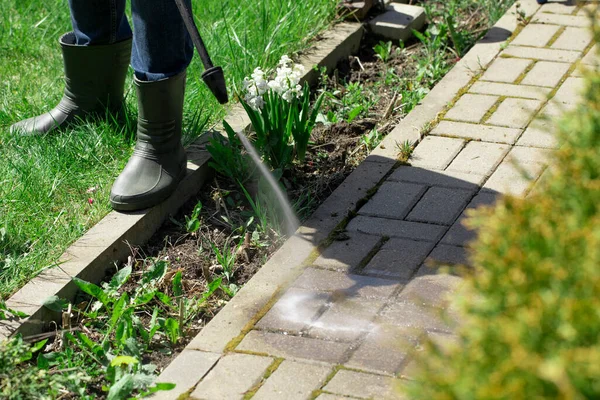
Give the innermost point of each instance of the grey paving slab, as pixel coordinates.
(415, 317)
(478, 132)
(362, 385)
(295, 310)
(185, 372)
(512, 179)
(566, 56)
(436, 152)
(537, 35)
(458, 234)
(515, 113)
(345, 255)
(542, 130)
(329, 396)
(431, 290)
(444, 254)
(524, 155)
(395, 228)
(508, 90)
(592, 57)
(569, 94)
(590, 9)
(576, 39)
(346, 285)
(294, 381)
(560, 7)
(346, 319)
(232, 377)
(398, 21)
(506, 70)
(294, 347)
(393, 200)
(440, 205)
(399, 258)
(546, 73)
(450, 179)
(384, 350)
(563, 20)
(479, 157)
(471, 107)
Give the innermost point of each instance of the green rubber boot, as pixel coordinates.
(159, 161)
(94, 82)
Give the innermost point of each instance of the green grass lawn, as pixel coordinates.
(45, 181)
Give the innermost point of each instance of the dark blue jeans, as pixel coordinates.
(161, 45)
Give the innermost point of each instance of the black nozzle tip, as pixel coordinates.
(215, 80)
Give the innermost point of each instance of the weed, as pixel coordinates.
(383, 50)
(405, 150)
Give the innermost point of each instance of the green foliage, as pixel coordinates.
(192, 223)
(383, 50)
(20, 380)
(532, 309)
(283, 128)
(229, 157)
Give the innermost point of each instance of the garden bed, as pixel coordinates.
(204, 254)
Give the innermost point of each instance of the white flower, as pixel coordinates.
(256, 103)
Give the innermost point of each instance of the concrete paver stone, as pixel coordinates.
(346, 285)
(445, 255)
(458, 234)
(393, 200)
(573, 39)
(396, 228)
(399, 258)
(569, 94)
(479, 157)
(565, 56)
(293, 381)
(294, 310)
(430, 290)
(563, 20)
(509, 90)
(512, 179)
(232, 377)
(515, 113)
(360, 384)
(471, 107)
(567, 7)
(346, 319)
(505, 70)
(485, 133)
(592, 58)
(535, 35)
(450, 179)
(398, 21)
(384, 350)
(185, 372)
(436, 152)
(294, 347)
(440, 205)
(346, 255)
(546, 73)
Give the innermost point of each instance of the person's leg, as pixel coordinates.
(96, 58)
(162, 51)
(162, 47)
(97, 22)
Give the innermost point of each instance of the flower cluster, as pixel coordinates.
(286, 83)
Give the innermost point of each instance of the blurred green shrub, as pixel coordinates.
(532, 309)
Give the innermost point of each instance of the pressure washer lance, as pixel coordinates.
(213, 76)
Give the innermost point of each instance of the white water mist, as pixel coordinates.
(291, 222)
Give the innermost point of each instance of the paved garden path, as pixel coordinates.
(350, 322)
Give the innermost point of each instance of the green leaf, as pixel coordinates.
(119, 309)
(38, 346)
(156, 272)
(177, 286)
(42, 362)
(92, 290)
(121, 389)
(354, 113)
(55, 303)
(172, 328)
(166, 300)
(120, 278)
(119, 361)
